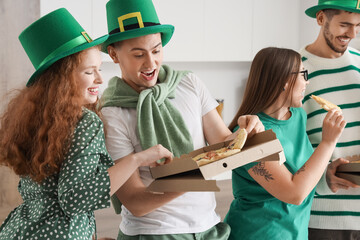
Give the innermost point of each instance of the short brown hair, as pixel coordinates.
(330, 13)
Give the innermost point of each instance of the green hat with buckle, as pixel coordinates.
(128, 19)
(346, 5)
(52, 37)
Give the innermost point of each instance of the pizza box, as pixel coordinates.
(350, 171)
(352, 166)
(352, 177)
(183, 174)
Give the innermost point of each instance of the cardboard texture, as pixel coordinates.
(352, 177)
(350, 167)
(183, 174)
(350, 171)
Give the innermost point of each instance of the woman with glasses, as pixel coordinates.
(273, 201)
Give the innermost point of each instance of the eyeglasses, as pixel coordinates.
(305, 72)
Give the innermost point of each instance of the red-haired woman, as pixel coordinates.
(53, 139)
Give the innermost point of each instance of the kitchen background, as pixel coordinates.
(216, 39)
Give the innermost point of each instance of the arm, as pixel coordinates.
(121, 142)
(138, 201)
(216, 131)
(126, 166)
(83, 183)
(294, 188)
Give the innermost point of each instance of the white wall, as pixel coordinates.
(309, 29)
(15, 69)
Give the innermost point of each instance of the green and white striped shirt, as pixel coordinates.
(336, 80)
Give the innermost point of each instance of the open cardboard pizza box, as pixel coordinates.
(350, 171)
(183, 174)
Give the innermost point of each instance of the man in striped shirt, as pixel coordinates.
(334, 74)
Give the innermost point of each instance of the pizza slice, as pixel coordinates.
(239, 141)
(234, 147)
(212, 156)
(324, 103)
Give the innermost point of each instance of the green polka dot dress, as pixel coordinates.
(62, 206)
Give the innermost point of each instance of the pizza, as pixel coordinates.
(212, 156)
(234, 147)
(324, 103)
(239, 141)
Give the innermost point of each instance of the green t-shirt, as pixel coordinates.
(256, 214)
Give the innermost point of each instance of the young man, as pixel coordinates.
(152, 104)
(334, 75)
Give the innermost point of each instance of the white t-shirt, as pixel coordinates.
(192, 212)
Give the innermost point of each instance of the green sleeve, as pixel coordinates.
(84, 183)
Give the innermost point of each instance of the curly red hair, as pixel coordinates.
(37, 126)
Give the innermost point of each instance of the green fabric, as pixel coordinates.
(255, 213)
(158, 121)
(52, 37)
(220, 231)
(131, 19)
(116, 204)
(346, 5)
(63, 205)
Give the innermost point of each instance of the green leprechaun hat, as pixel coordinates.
(128, 19)
(347, 5)
(52, 37)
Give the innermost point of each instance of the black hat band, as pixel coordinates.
(133, 26)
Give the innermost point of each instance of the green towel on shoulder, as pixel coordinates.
(158, 121)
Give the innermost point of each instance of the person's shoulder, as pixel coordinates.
(353, 52)
(89, 118)
(88, 114)
(299, 111)
(86, 130)
(119, 113)
(303, 51)
(191, 75)
(305, 55)
(192, 78)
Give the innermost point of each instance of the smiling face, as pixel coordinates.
(87, 75)
(339, 30)
(139, 59)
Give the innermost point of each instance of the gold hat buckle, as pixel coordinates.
(87, 37)
(131, 15)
